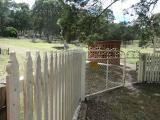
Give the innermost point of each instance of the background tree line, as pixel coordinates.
(73, 20)
(38, 21)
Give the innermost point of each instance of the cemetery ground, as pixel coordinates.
(20, 46)
(136, 102)
(139, 102)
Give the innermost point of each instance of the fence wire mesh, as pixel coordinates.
(115, 76)
(106, 75)
(95, 77)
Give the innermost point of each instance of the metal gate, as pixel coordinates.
(106, 75)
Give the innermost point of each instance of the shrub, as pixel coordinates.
(10, 32)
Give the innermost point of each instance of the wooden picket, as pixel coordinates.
(53, 86)
(38, 88)
(13, 89)
(45, 87)
(28, 88)
(149, 70)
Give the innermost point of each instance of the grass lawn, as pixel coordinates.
(20, 46)
(135, 46)
(3, 62)
(141, 102)
(27, 43)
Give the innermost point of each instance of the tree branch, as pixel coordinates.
(107, 8)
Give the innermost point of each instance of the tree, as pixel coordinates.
(68, 23)
(144, 21)
(4, 12)
(45, 14)
(20, 17)
(142, 9)
(78, 23)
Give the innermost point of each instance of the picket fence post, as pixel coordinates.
(52, 88)
(45, 87)
(38, 88)
(83, 72)
(13, 89)
(28, 88)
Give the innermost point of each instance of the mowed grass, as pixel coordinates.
(27, 43)
(20, 46)
(3, 62)
(135, 46)
(132, 58)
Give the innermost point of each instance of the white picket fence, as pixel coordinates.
(53, 87)
(149, 68)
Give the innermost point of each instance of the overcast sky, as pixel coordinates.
(117, 8)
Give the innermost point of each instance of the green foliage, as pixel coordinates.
(83, 24)
(45, 14)
(68, 23)
(93, 38)
(10, 32)
(73, 20)
(42, 18)
(155, 19)
(4, 12)
(148, 26)
(20, 16)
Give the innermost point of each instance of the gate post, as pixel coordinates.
(83, 75)
(13, 89)
(124, 71)
(107, 73)
(141, 69)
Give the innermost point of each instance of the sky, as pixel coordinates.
(117, 8)
(30, 2)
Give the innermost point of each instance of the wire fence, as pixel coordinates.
(103, 76)
(111, 74)
(95, 77)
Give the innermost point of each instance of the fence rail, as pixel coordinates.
(149, 68)
(53, 86)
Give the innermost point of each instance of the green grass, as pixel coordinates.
(27, 43)
(3, 62)
(135, 46)
(22, 45)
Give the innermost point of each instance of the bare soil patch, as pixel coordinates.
(141, 103)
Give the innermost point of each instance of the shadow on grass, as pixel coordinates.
(58, 48)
